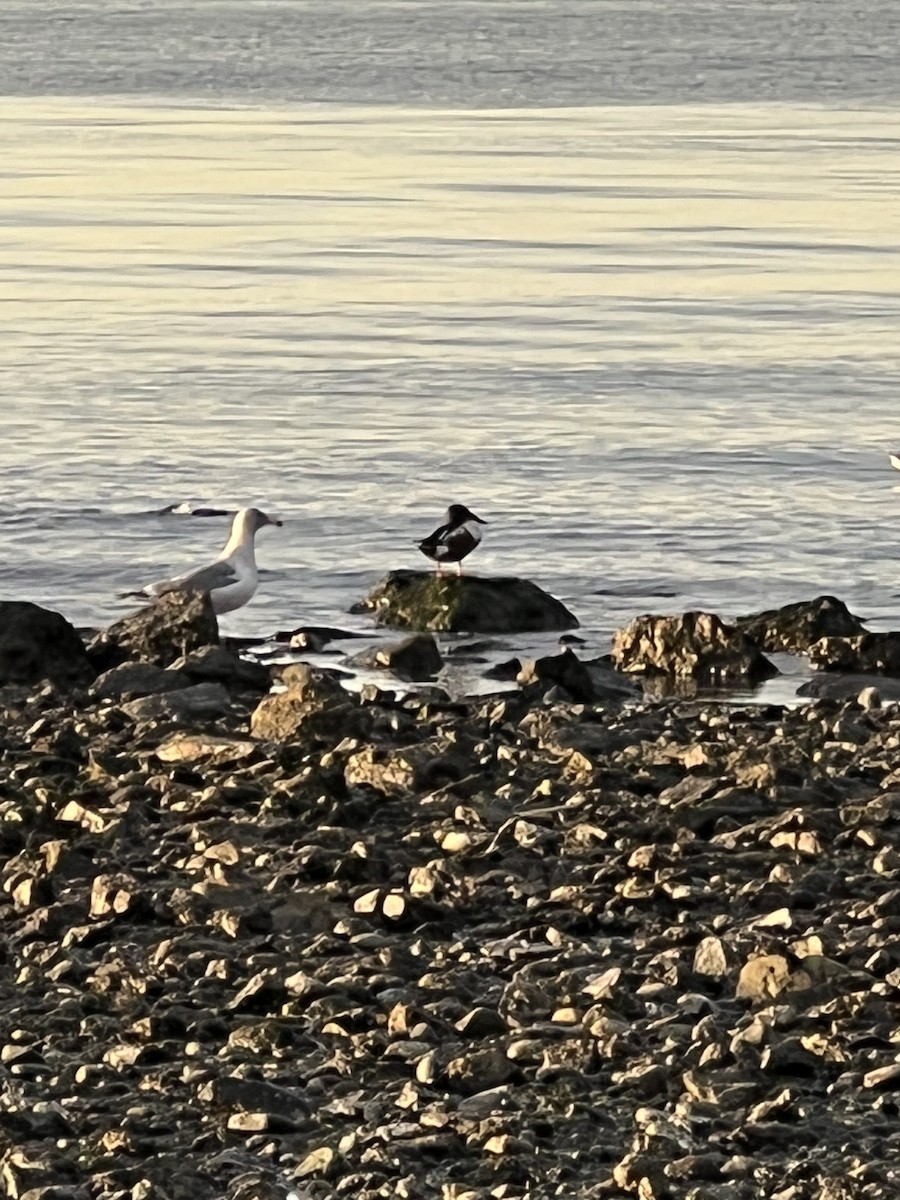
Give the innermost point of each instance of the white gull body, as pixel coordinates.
(232, 579)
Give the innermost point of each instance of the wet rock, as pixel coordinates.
(506, 670)
(583, 682)
(851, 686)
(174, 625)
(416, 657)
(482, 1022)
(38, 644)
(693, 646)
(887, 1077)
(877, 653)
(564, 670)
(425, 601)
(314, 637)
(795, 627)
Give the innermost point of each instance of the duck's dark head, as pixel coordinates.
(458, 514)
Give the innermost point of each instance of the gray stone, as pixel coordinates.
(198, 703)
(134, 679)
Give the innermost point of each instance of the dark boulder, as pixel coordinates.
(508, 669)
(693, 646)
(876, 652)
(38, 644)
(217, 664)
(834, 685)
(314, 637)
(795, 627)
(170, 628)
(585, 682)
(427, 601)
(415, 657)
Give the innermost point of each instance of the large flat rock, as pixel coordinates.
(469, 603)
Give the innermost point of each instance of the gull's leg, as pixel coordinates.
(459, 568)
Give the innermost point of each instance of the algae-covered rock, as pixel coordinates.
(474, 604)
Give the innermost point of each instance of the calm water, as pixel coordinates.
(623, 278)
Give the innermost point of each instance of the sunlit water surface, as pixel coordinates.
(656, 347)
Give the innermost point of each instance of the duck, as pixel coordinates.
(457, 537)
(232, 579)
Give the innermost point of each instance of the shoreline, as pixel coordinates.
(316, 943)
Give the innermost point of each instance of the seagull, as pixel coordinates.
(457, 537)
(231, 580)
(894, 460)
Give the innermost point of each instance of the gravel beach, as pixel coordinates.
(309, 943)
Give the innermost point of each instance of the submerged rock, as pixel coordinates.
(473, 604)
(695, 645)
(876, 652)
(171, 627)
(795, 627)
(838, 686)
(314, 637)
(37, 643)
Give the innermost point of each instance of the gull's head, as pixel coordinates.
(458, 514)
(248, 520)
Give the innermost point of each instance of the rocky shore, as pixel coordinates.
(558, 941)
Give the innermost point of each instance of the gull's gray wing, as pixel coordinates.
(206, 579)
